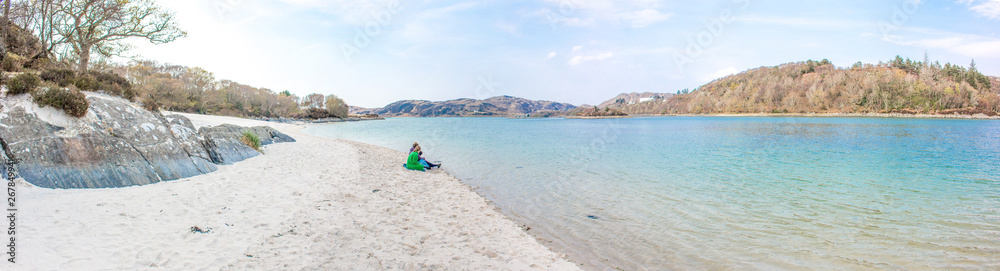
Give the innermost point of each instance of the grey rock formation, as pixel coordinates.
(224, 145)
(116, 144)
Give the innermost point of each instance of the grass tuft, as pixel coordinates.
(251, 140)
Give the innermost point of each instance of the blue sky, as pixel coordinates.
(575, 51)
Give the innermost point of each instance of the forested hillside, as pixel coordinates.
(194, 90)
(899, 86)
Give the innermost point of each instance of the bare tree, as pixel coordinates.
(6, 28)
(100, 26)
(46, 28)
(314, 100)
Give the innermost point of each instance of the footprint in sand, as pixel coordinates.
(147, 257)
(75, 264)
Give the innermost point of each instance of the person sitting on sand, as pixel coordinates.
(413, 161)
(415, 145)
(424, 162)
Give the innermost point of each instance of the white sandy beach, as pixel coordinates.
(315, 204)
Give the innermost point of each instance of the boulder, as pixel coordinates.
(116, 144)
(151, 135)
(225, 147)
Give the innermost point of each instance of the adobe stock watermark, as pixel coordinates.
(486, 87)
(562, 14)
(571, 183)
(900, 15)
(11, 216)
(223, 7)
(380, 19)
(713, 29)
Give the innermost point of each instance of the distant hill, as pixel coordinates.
(899, 86)
(495, 106)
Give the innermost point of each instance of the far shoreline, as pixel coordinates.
(802, 115)
(829, 115)
(599, 117)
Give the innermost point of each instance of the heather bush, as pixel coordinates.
(70, 100)
(108, 82)
(63, 77)
(149, 103)
(112, 83)
(23, 83)
(12, 62)
(85, 83)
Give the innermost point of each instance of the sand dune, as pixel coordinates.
(312, 204)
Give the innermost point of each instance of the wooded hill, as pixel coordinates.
(899, 86)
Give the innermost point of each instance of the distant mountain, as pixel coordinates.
(898, 86)
(495, 106)
(633, 98)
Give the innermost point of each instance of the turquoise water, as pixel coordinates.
(728, 192)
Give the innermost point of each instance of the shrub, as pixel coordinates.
(70, 100)
(312, 113)
(336, 106)
(12, 62)
(251, 140)
(63, 77)
(108, 82)
(24, 83)
(85, 83)
(150, 103)
(112, 83)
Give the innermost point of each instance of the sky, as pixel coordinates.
(371, 53)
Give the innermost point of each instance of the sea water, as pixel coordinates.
(702, 193)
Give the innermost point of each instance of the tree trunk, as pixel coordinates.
(43, 29)
(6, 29)
(84, 58)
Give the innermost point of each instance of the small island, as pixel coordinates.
(596, 113)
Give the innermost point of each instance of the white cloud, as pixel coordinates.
(551, 55)
(935, 43)
(985, 8)
(580, 59)
(972, 46)
(308, 3)
(804, 22)
(983, 49)
(645, 17)
(575, 21)
(509, 28)
(577, 48)
(721, 73)
(637, 13)
(350, 11)
(310, 47)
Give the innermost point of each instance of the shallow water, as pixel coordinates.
(728, 192)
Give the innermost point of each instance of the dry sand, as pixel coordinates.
(315, 204)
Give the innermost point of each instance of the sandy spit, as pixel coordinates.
(316, 204)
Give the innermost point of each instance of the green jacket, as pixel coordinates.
(413, 162)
